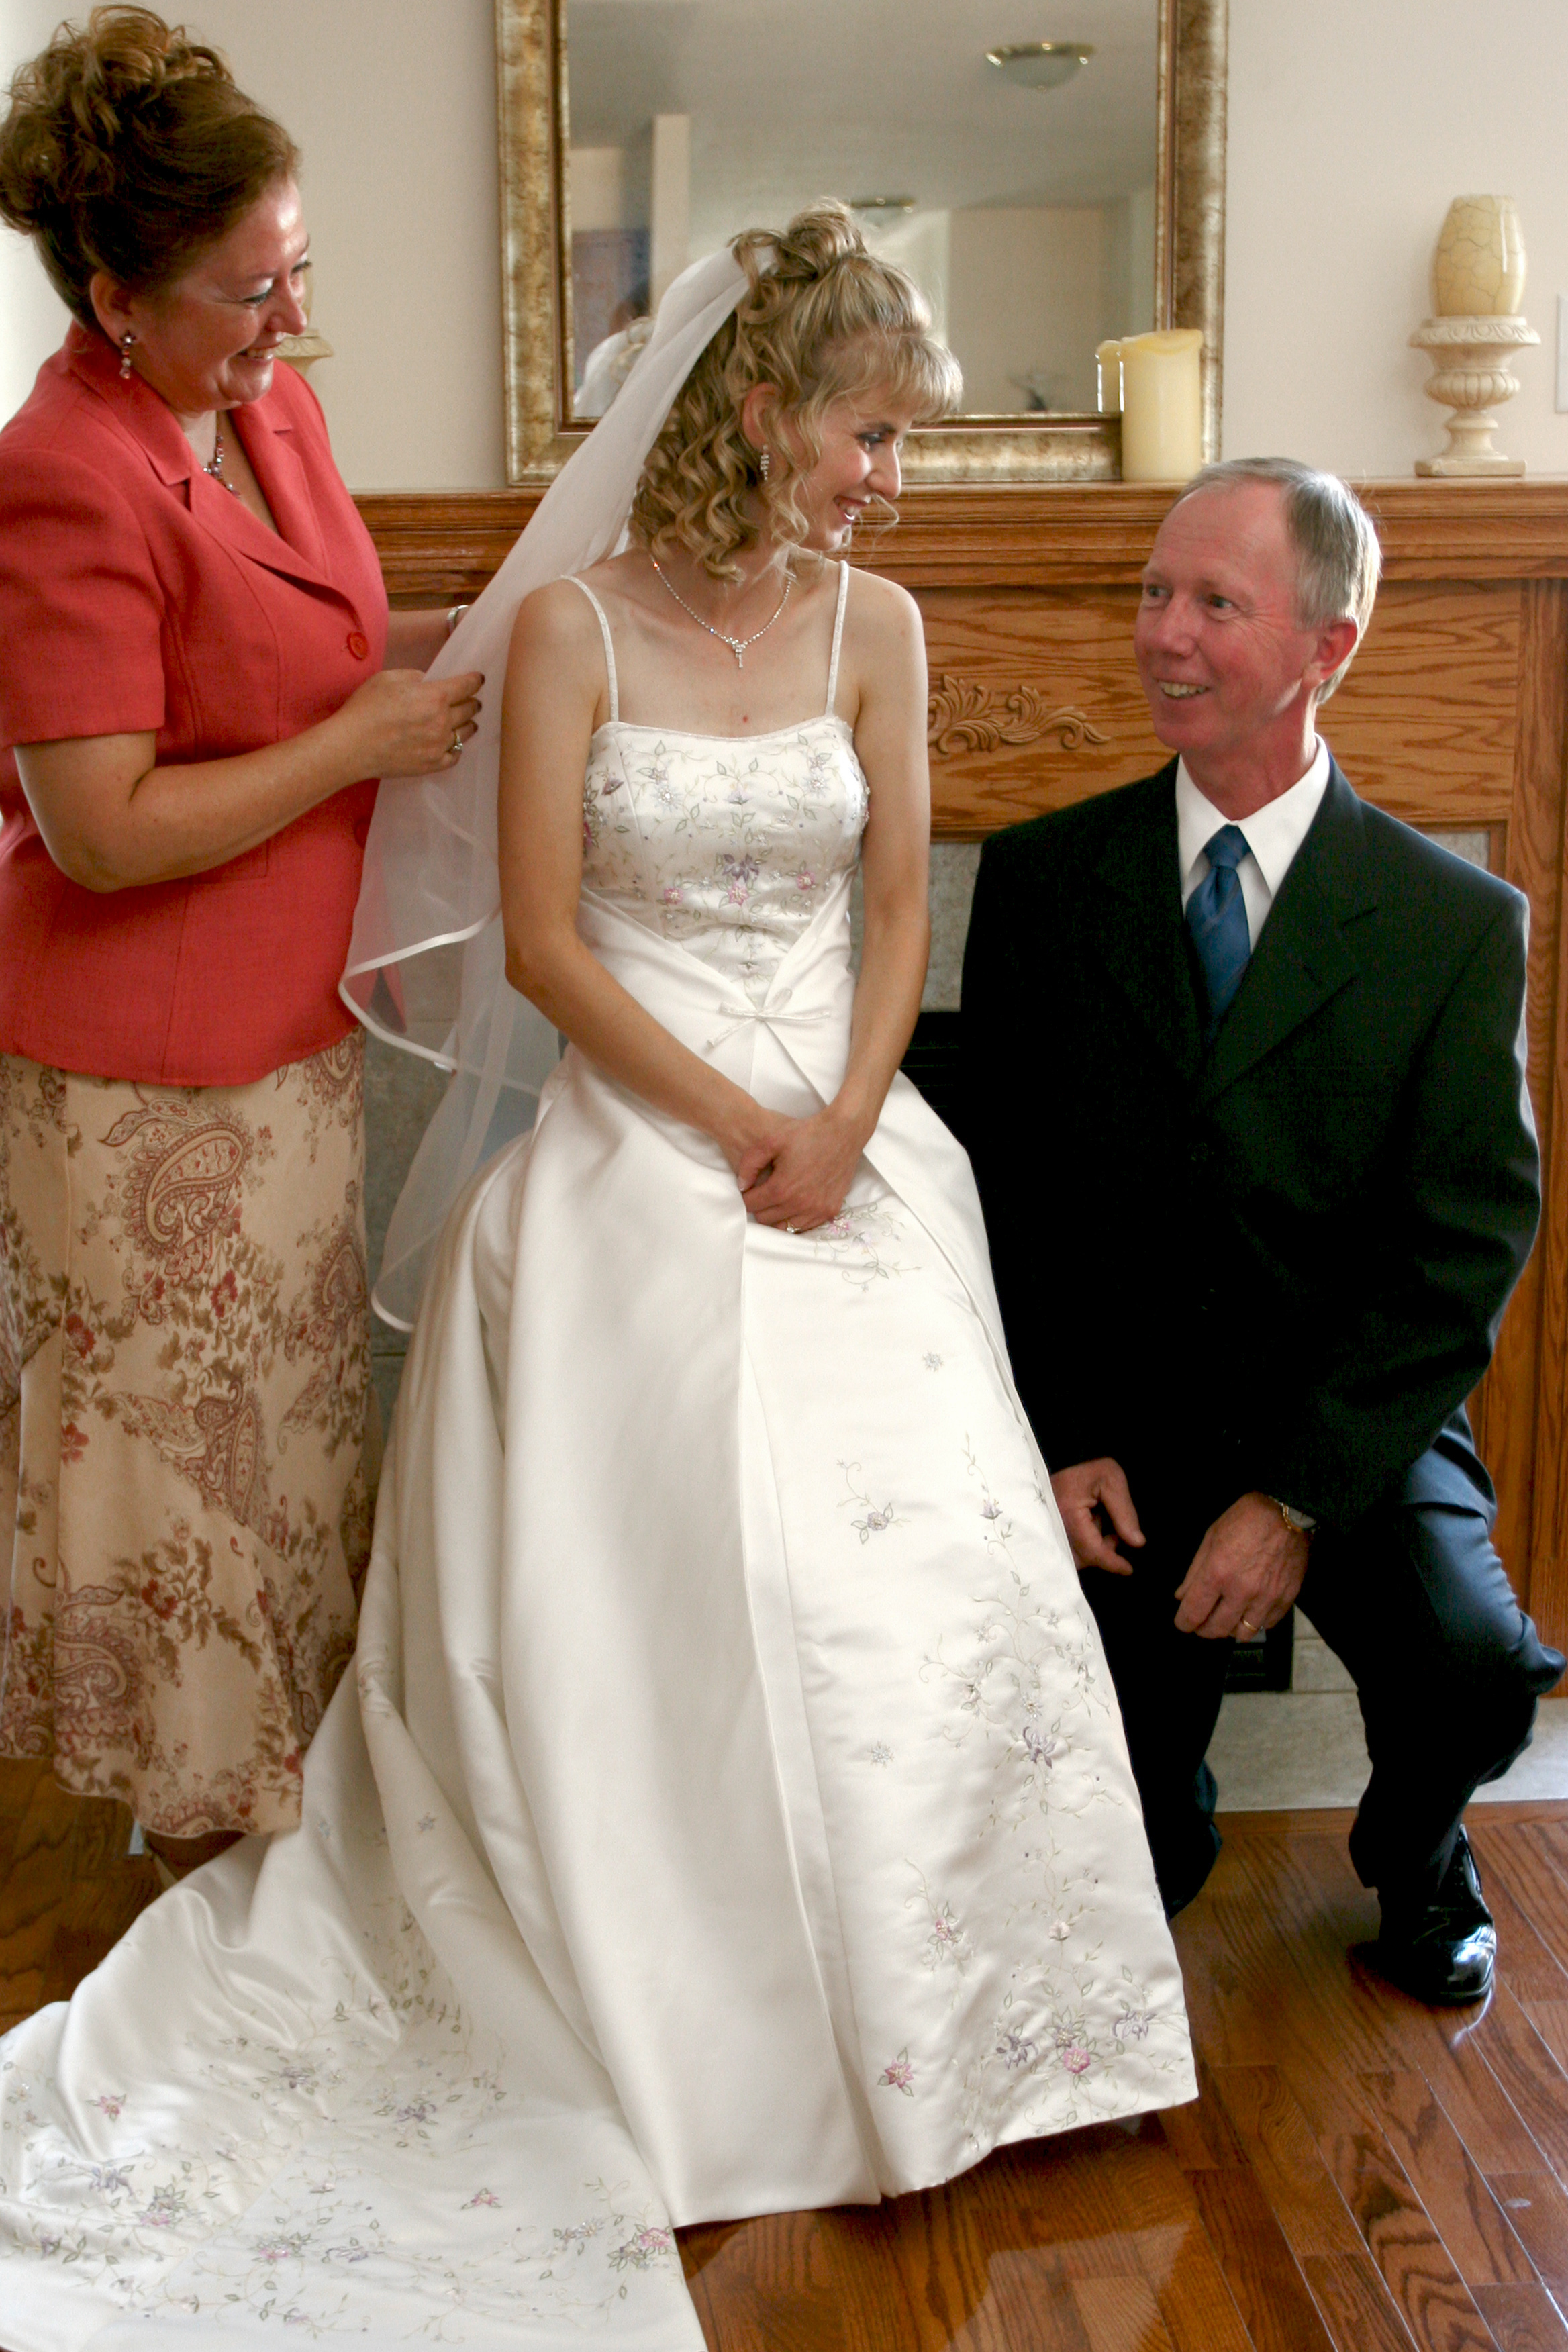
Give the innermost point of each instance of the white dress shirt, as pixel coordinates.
(1273, 835)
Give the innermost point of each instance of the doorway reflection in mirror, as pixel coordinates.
(1025, 213)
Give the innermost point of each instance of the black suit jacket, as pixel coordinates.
(1278, 1263)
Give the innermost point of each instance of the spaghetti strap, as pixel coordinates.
(837, 639)
(610, 650)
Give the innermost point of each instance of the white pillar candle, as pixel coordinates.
(1161, 405)
(1108, 356)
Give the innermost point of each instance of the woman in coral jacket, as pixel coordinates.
(195, 709)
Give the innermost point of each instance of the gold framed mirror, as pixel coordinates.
(1039, 442)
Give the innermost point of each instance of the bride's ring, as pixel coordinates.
(455, 745)
(789, 1229)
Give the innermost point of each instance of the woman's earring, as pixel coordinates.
(764, 465)
(126, 339)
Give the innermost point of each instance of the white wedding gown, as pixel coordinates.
(729, 1811)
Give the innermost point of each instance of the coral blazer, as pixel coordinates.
(138, 595)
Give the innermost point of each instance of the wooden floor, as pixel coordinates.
(66, 1890)
(1361, 2173)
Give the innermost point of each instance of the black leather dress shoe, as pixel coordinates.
(1445, 1952)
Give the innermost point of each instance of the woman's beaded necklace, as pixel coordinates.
(215, 463)
(738, 645)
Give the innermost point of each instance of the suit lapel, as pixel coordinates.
(269, 445)
(281, 478)
(1139, 934)
(1302, 958)
(295, 548)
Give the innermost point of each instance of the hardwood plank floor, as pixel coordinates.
(66, 1889)
(1360, 2174)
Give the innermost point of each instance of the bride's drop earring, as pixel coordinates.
(126, 339)
(764, 465)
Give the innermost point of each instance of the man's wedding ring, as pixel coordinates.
(1247, 1622)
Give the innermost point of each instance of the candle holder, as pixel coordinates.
(301, 352)
(1471, 376)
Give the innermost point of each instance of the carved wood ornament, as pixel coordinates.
(964, 716)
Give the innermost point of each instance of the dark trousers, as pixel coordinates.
(1417, 1604)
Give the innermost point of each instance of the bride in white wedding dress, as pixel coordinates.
(729, 1811)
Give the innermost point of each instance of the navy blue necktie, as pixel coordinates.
(1217, 917)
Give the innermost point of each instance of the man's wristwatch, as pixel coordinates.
(1301, 1521)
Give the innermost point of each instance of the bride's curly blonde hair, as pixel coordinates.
(822, 320)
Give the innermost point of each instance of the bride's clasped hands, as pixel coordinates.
(796, 1172)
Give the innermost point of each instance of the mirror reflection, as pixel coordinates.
(1018, 193)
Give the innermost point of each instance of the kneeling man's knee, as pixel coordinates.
(1495, 1700)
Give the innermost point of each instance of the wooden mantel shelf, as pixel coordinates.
(439, 546)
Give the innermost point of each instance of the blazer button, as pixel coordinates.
(359, 643)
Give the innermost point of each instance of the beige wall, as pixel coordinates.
(1026, 291)
(1346, 142)
(1352, 125)
(393, 103)
(31, 320)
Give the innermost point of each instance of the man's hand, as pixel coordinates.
(1096, 1504)
(1247, 1571)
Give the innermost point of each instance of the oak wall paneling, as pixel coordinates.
(1453, 717)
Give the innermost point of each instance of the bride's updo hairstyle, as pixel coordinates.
(822, 320)
(128, 148)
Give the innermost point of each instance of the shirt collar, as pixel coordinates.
(1273, 832)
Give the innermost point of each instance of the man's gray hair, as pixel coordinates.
(1338, 562)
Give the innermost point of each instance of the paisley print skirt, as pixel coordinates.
(187, 1431)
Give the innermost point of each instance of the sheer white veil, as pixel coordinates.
(425, 969)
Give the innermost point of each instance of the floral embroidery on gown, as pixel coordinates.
(731, 1813)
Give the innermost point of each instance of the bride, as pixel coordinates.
(730, 1811)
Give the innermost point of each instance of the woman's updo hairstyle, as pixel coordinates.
(128, 148)
(822, 320)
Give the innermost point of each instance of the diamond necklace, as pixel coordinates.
(738, 645)
(215, 463)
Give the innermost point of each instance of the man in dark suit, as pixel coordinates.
(1246, 1104)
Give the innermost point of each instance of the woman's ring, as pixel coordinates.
(789, 1229)
(455, 745)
